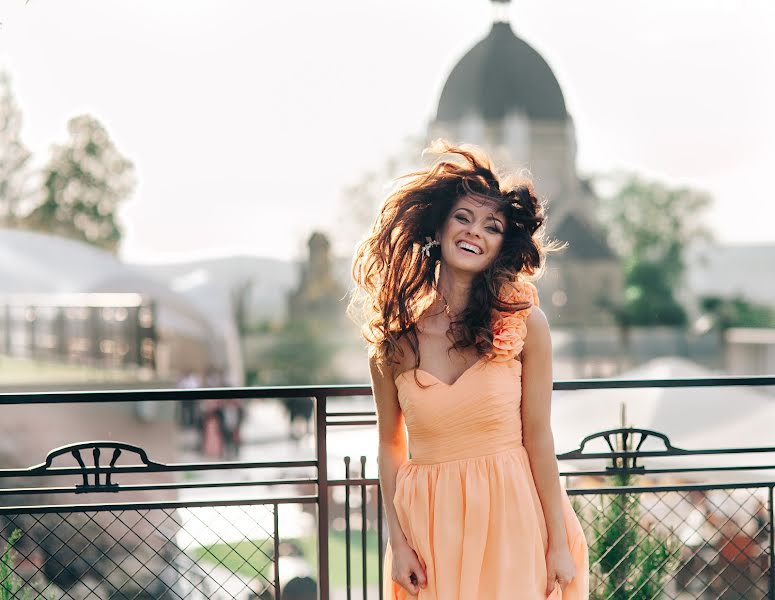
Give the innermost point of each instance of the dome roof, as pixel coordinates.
(583, 241)
(500, 75)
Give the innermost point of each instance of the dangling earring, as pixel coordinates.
(426, 249)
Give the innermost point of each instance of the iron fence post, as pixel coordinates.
(276, 551)
(322, 454)
(771, 593)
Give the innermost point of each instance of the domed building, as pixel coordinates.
(503, 96)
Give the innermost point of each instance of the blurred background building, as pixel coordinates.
(502, 95)
(256, 293)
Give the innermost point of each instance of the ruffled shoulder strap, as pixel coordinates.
(523, 291)
(510, 328)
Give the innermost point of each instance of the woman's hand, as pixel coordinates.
(559, 568)
(408, 569)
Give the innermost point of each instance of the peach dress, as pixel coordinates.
(466, 500)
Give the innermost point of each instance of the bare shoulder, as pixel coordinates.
(379, 371)
(389, 371)
(537, 329)
(406, 359)
(389, 416)
(537, 319)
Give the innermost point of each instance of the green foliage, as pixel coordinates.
(737, 312)
(299, 353)
(628, 561)
(648, 297)
(651, 226)
(244, 559)
(83, 185)
(240, 295)
(659, 556)
(13, 154)
(9, 582)
(337, 556)
(11, 585)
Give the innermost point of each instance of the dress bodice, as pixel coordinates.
(478, 414)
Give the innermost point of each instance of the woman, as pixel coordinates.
(460, 354)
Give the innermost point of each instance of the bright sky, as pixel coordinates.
(245, 119)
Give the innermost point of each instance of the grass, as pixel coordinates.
(244, 558)
(16, 370)
(337, 549)
(247, 559)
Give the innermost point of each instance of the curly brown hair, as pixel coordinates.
(395, 284)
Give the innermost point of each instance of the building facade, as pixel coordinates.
(503, 96)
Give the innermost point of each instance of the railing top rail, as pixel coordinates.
(309, 391)
(678, 382)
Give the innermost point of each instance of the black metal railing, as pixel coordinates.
(262, 529)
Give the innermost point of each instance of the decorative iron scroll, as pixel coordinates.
(625, 445)
(96, 470)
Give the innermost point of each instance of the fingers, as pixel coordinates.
(551, 581)
(408, 582)
(565, 581)
(414, 579)
(422, 574)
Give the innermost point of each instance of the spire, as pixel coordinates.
(500, 11)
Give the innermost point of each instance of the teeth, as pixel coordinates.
(467, 246)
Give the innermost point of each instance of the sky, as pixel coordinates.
(246, 119)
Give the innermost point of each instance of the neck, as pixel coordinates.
(455, 287)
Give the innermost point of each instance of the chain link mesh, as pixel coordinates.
(190, 553)
(710, 544)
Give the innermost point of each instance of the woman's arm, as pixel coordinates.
(538, 439)
(391, 455)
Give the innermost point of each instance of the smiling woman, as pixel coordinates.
(477, 512)
(484, 227)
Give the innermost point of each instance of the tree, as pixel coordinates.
(630, 560)
(13, 155)
(300, 353)
(83, 185)
(651, 226)
(737, 312)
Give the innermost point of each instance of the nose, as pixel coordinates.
(473, 230)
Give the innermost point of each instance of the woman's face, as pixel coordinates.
(472, 235)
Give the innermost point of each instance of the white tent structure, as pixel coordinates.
(38, 263)
(209, 284)
(698, 418)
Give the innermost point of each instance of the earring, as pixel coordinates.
(426, 249)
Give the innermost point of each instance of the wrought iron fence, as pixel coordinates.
(65, 534)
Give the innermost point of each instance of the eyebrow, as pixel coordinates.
(491, 216)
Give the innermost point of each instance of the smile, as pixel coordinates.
(468, 247)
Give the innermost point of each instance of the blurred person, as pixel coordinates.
(213, 443)
(300, 588)
(299, 416)
(233, 414)
(211, 417)
(460, 358)
(188, 408)
(214, 378)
